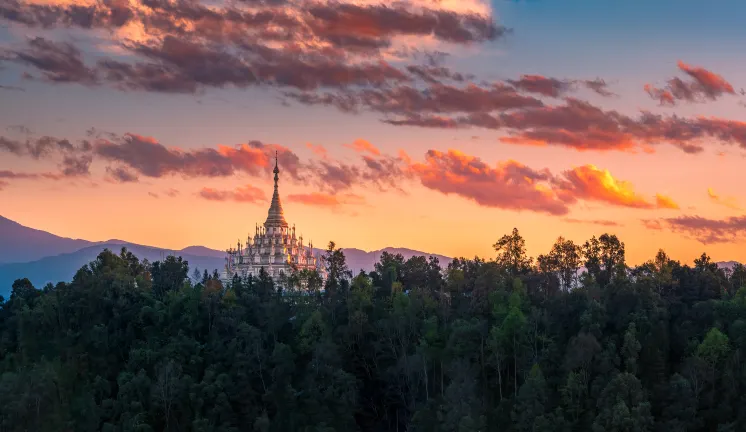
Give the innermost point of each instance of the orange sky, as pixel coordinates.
(535, 128)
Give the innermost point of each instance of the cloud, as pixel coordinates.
(652, 224)
(509, 185)
(186, 46)
(74, 166)
(172, 193)
(243, 194)
(363, 146)
(708, 231)
(704, 85)
(542, 85)
(42, 147)
(121, 175)
(6, 174)
(434, 73)
(11, 146)
(593, 184)
(599, 86)
(57, 61)
(665, 202)
(319, 150)
(729, 202)
(318, 199)
(147, 157)
(410, 101)
(14, 175)
(514, 186)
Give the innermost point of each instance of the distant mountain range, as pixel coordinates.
(43, 257)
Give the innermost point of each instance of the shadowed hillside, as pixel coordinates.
(22, 244)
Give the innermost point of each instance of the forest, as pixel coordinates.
(571, 340)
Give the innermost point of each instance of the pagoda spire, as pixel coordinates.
(275, 216)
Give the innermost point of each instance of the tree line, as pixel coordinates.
(574, 340)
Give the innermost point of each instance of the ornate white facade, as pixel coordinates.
(274, 247)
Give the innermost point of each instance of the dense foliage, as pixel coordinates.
(510, 344)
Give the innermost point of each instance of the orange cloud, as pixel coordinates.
(591, 183)
(662, 201)
(729, 202)
(710, 81)
(326, 200)
(705, 85)
(319, 150)
(509, 185)
(363, 146)
(243, 194)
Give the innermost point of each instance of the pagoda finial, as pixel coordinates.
(276, 170)
(275, 217)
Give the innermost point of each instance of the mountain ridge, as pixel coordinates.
(66, 256)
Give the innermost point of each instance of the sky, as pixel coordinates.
(433, 125)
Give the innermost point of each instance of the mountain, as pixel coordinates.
(359, 259)
(46, 258)
(22, 244)
(62, 268)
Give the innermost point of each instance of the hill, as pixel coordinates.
(19, 243)
(63, 267)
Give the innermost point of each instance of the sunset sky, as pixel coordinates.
(432, 125)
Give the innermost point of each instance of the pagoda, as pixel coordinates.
(273, 247)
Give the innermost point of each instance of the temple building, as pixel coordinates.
(273, 247)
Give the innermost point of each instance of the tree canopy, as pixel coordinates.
(507, 343)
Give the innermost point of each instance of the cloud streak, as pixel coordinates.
(729, 202)
(244, 194)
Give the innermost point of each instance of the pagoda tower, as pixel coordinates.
(274, 246)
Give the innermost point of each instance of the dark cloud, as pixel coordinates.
(335, 21)
(193, 46)
(121, 175)
(148, 157)
(12, 88)
(599, 86)
(11, 146)
(105, 14)
(542, 85)
(435, 74)
(46, 145)
(709, 231)
(582, 126)
(74, 166)
(57, 61)
(42, 147)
